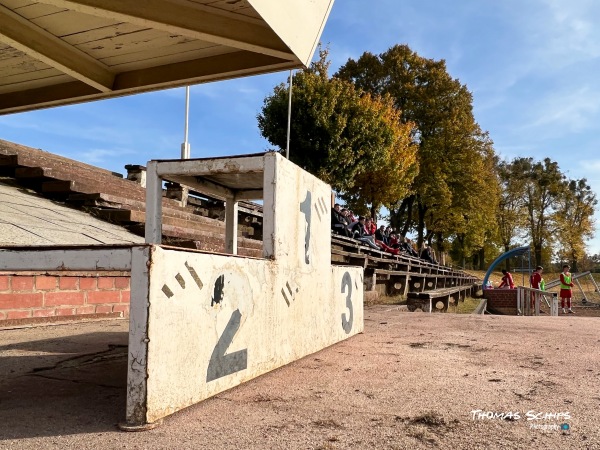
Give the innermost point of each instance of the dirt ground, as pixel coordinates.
(411, 381)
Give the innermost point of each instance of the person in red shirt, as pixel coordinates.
(371, 226)
(507, 280)
(536, 283)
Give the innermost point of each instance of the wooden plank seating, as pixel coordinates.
(439, 299)
(348, 258)
(402, 274)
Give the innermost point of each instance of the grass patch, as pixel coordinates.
(391, 300)
(466, 307)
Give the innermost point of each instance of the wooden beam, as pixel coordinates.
(203, 186)
(208, 68)
(43, 46)
(184, 20)
(200, 167)
(249, 194)
(214, 68)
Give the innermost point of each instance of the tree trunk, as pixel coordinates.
(409, 213)
(374, 213)
(421, 225)
(537, 253)
(481, 255)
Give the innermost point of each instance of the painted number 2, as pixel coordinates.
(220, 364)
(347, 285)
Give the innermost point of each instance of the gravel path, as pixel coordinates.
(411, 381)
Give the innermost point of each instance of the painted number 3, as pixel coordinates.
(347, 285)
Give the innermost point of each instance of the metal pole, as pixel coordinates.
(289, 123)
(185, 147)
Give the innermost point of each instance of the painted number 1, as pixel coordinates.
(305, 208)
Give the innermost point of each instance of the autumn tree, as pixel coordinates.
(391, 178)
(544, 188)
(452, 147)
(511, 214)
(475, 201)
(355, 142)
(575, 221)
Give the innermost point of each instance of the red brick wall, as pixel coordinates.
(40, 298)
(501, 301)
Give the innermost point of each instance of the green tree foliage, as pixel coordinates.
(454, 181)
(355, 142)
(575, 221)
(475, 202)
(391, 178)
(511, 214)
(544, 188)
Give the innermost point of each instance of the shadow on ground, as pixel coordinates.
(63, 385)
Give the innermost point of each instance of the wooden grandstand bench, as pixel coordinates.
(438, 299)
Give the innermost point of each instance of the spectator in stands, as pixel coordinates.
(507, 280)
(351, 219)
(413, 246)
(386, 248)
(394, 242)
(536, 282)
(371, 226)
(380, 234)
(566, 291)
(427, 254)
(339, 223)
(388, 234)
(407, 247)
(359, 232)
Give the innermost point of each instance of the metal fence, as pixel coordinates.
(530, 301)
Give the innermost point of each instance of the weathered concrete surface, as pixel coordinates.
(27, 219)
(217, 321)
(410, 381)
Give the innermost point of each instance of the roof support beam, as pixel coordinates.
(218, 67)
(43, 46)
(186, 21)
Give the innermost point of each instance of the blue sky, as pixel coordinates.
(532, 66)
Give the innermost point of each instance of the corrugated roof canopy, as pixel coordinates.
(56, 52)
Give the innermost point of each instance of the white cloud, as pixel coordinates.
(571, 111)
(99, 156)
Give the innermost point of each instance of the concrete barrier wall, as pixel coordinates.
(203, 323)
(217, 321)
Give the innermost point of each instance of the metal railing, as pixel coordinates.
(526, 296)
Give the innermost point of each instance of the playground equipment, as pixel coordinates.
(587, 291)
(519, 251)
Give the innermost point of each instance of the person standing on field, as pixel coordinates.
(566, 289)
(537, 282)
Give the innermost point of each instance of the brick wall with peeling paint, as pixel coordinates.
(39, 298)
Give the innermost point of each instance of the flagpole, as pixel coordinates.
(289, 122)
(185, 147)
